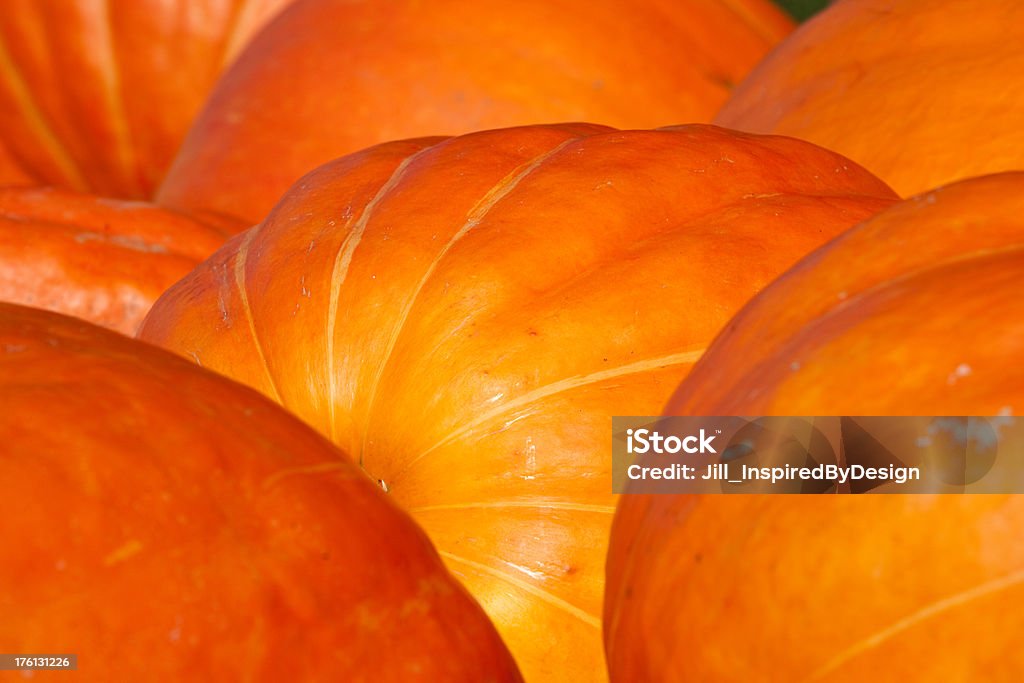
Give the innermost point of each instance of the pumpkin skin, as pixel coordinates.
(168, 524)
(102, 260)
(331, 77)
(920, 92)
(97, 96)
(913, 273)
(870, 324)
(463, 316)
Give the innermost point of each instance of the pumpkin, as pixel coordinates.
(463, 316)
(164, 523)
(920, 92)
(915, 312)
(99, 259)
(97, 96)
(330, 77)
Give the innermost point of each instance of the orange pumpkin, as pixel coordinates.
(330, 77)
(97, 96)
(166, 524)
(99, 259)
(463, 316)
(916, 312)
(920, 92)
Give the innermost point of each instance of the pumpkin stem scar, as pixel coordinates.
(927, 612)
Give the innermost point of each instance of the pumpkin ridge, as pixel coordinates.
(131, 168)
(820, 317)
(928, 611)
(552, 388)
(339, 273)
(243, 253)
(233, 35)
(536, 591)
(59, 154)
(492, 197)
(327, 466)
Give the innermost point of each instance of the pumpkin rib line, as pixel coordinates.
(339, 273)
(319, 468)
(40, 127)
(239, 269)
(817, 320)
(474, 217)
(533, 590)
(233, 34)
(928, 611)
(127, 159)
(552, 388)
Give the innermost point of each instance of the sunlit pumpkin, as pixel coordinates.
(330, 77)
(96, 96)
(99, 259)
(920, 92)
(918, 311)
(464, 316)
(166, 524)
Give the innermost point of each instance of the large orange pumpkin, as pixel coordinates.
(167, 524)
(920, 92)
(99, 259)
(330, 77)
(916, 312)
(464, 316)
(96, 96)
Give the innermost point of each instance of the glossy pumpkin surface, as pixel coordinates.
(97, 96)
(330, 77)
(166, 524)
(919, 92)
(102, 260)
(464, 316)
(915, 312)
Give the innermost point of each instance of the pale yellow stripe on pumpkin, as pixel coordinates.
(319, 468)
(537, 505)
(938, 607)
(568, 384)
(127, 159)
(526, 587)
(37, 123)
(240, 260)
(339, 274)
(125, 552)
(233, 35)
(475, 216)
